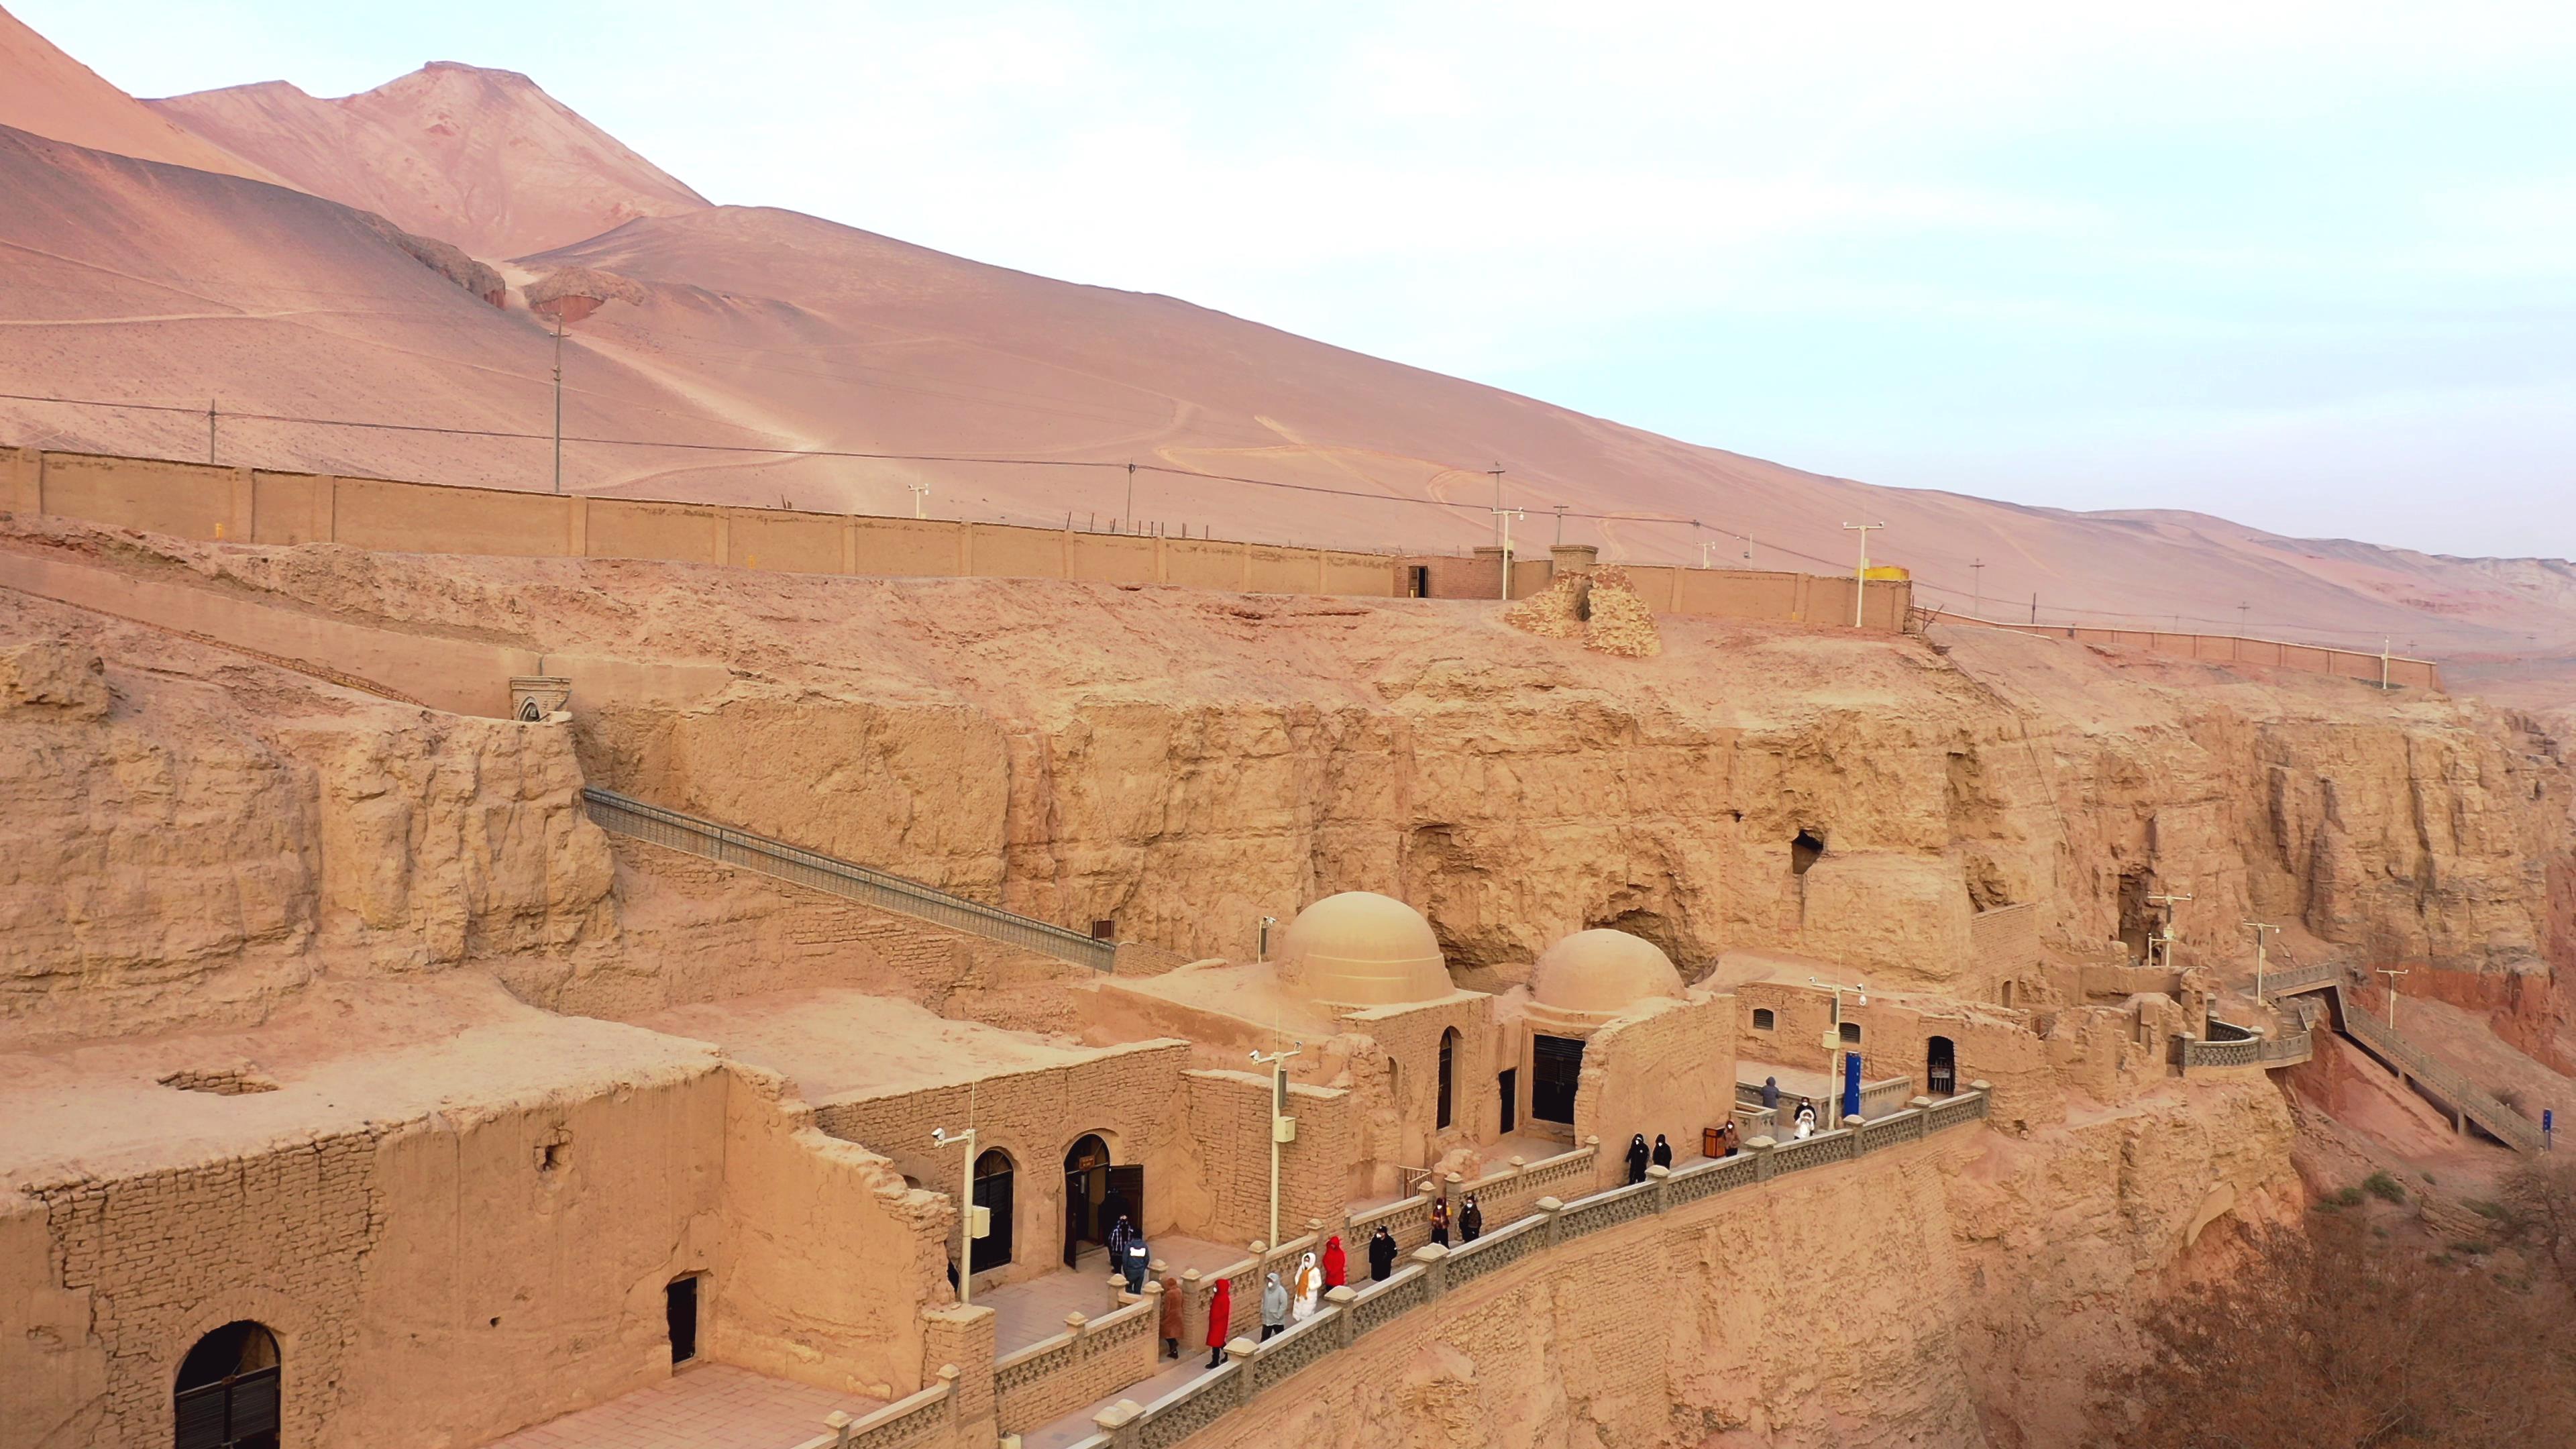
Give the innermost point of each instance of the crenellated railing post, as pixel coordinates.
(1345, 1322)
(1238, 1352)
(1551, 1209)
(1435, 1267)
(1661, 1178)
(1760, 1148)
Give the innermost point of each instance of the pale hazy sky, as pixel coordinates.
(2310, 266)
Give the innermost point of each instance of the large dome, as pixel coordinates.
(1602, 972)
(1360, 948)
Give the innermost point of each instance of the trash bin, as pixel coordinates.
(1708, 1146)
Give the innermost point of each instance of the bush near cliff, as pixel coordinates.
(2341, 1339)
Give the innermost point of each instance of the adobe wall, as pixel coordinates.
(1662, 1067)
(1396, 1113)
(1987, 1044)
(534, 1289)
(2234, 649)
(1125, 1095)
(256, 505)
(1229, 1126)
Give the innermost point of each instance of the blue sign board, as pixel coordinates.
(1851, 1084)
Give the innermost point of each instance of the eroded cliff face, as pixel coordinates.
(186, 837)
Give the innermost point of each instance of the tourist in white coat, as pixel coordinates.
(1308, 1292)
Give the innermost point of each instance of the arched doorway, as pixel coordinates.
(992, 1193)
(1940, 1068)
(227, 1393)
(1448, 1079)
(1096, 1193)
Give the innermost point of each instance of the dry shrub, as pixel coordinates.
(2539, 1206)
(2337, 1340)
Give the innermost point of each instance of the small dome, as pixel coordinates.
(1602, 972)
(1360, 948)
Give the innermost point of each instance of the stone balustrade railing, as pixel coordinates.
(902, 1422)
(1351, 1313)
(1044, 1381)
(1507, 1191)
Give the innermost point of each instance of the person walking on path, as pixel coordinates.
(1471, 1220)
(1727, 1139)
(1337, 1266)
(1440, 1221)
(1806, 1120)
(1382, 1252)
(1121, 1233)
(1637, 1157)
(1171, 1325)
(1663, 1152)
(1220, 1320)
(1306, 1290)
(1771, 1095)
(1274, 1306)
(1134, 1259)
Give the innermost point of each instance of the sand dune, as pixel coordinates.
(746, 328)
(47, 92)
(482, 158)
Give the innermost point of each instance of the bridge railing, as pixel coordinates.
(816, 871)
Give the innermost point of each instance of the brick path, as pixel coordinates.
(1034, 1308)
(712, 1406)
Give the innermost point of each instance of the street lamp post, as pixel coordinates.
(976, 1221)
(1282, 1126)
(2392, 993)
(2168, 902)
(1834, 1047)
(2263, 933)
(1505, 517)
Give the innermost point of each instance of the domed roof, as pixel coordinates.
(1602, 972)
(1360, 948)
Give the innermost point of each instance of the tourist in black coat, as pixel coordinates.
(1381, 1255)
(1663, 1152)
(1638, 1157)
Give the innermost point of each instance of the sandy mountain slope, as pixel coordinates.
(47, 92)
(1008, 395)
(482, 158)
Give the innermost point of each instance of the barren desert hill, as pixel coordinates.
(483, 158)
(1007, 395)
(47, 92)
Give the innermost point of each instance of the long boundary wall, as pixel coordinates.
(263, 506)
(2400, 672)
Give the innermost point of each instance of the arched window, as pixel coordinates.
(993, 1179)
(1940, 1067)
(1448, 1077)
(1763, 1020)
(227, 1394)
(1851, 1033)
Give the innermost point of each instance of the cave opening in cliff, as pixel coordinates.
(2136, 922)
(1805, 851)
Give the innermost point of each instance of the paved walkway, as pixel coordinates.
(1034, 1308)
(711, 1406)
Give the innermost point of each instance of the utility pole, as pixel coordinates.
(1560, 523)
(1504, 517)
(1834, 1047)
(1131, 493)
(975, 1222)
(1860, 575)
(2383, 661)
(2034, 608)
(1496, 472)
(2244, 619)
(210, 430)
(1704, 550)
(2262, 934)
(921, 491)
(1977, 572)
(2392, 994)
(1283, 1127)
(559, 330)
(2168, 902)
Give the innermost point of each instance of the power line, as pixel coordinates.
(1456, 508)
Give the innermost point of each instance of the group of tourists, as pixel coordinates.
(1470, 1221)
(1128, 1253)
(1293, 1299)
(1803, 1124)
(1640, 1156)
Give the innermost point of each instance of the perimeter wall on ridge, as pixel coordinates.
(2394, 670)
(264, 506)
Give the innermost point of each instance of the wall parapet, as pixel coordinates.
(1351, 1314)
(2392, 671)
(902, 1422)
(1041, 1382)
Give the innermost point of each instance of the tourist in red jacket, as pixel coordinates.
(1220, 1320)
(1336, 1265)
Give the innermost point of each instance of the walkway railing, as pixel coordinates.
(1351, 1313)
(2409, 1060)
(815, 871)
(901, 1422)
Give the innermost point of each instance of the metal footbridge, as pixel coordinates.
(2413, 1065)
